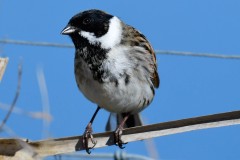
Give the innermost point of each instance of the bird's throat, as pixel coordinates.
(93, 56)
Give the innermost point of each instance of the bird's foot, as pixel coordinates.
(86, 136)
(118, 138)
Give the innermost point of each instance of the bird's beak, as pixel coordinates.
(68, 30)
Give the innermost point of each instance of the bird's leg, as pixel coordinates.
(118, 132)
(88, 133)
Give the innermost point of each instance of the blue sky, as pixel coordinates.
(190, 86)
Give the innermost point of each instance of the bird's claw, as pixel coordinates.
(118, 138)
(86, 136)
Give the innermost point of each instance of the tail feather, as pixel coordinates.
(115, 119)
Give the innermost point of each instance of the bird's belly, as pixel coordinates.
(121, 98)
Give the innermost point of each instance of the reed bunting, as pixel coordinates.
(115, 67)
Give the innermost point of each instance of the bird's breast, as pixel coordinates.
(116, 85)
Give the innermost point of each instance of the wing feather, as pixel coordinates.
(133, 37)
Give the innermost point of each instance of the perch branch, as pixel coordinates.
(71, 144)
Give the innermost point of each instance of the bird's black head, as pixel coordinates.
(92, 21)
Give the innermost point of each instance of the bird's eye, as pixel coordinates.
(87, 21)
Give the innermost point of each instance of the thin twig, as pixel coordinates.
(3, 65)
(8, 131)
(31, 114)
(192, 54)
(150, 144)
(31, 43)
(117, 155)
(45, 100)
(179, 53)
(15, 98)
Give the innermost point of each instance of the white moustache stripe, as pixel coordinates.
(90, 36)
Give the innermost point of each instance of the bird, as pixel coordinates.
(115, 67)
